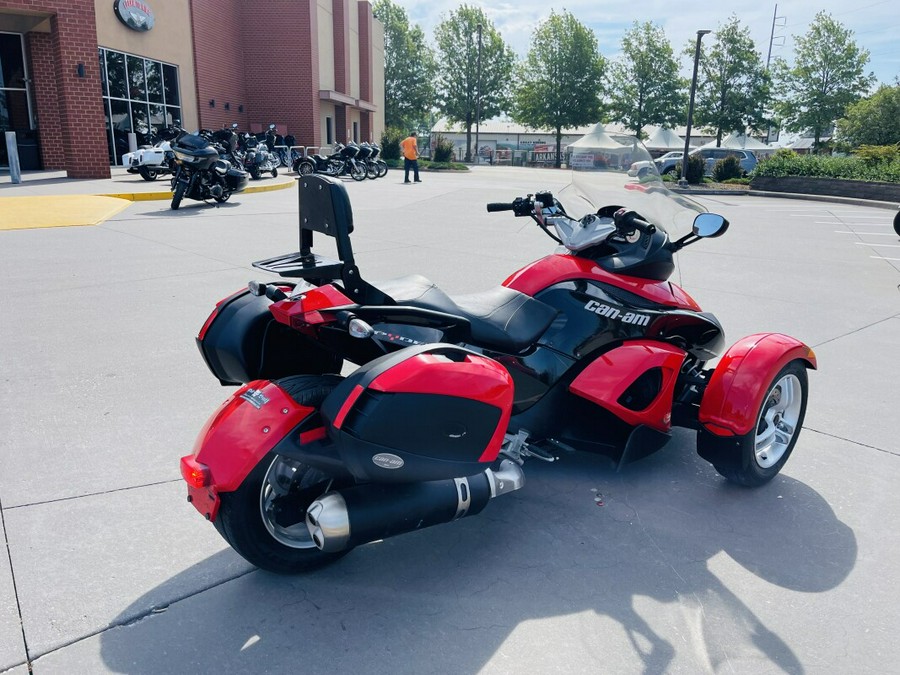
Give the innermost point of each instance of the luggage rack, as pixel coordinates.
(325, 208)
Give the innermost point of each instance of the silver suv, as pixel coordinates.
(710, 156)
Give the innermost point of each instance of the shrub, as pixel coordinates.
(390, 143)
(695, 169)
(737, 181)
(729, 167)
(878, 153)
(443, 149)
(823, 166)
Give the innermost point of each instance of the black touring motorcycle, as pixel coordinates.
(590, 348)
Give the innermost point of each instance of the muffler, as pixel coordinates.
(366, 513)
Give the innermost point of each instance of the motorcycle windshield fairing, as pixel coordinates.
(621, 172)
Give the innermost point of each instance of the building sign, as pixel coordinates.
(135, 14)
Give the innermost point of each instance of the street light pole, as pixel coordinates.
(682, 182)
(478, 98)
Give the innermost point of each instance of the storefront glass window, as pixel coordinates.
(140, 94)
(15, 108)
(154, 81)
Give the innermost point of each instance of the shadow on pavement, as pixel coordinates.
(630, 576)
(187, 209)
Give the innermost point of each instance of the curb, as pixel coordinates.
(153, 196)
(850, 201)
(689, 191)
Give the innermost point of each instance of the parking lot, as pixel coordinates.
(109, 569)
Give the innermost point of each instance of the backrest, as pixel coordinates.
(325, 208)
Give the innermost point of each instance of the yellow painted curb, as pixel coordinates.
(151, 196)
(20, 213)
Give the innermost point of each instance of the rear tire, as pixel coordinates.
(178, 196)
(897, 223)
(248, 518)
(254, 173)
(766, 448)
(274, 173)
(147, 173)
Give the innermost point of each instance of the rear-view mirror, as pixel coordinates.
(710, 225)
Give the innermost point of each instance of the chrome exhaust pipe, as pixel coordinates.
(366, 513)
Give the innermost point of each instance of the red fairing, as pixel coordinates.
(736, 389)
(474, 377)
(560, 267)
(308, 310)
(235, 438)
(605, 380)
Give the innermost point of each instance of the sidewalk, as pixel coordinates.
(88, 202)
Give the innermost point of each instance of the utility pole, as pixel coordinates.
(772, 38)
(478, 99)
(682, 182)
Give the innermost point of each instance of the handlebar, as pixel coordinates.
(630, 220)
(500, 206)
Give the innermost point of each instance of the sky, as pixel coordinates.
(876, 23)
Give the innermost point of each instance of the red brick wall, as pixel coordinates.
(341, 12)
(72, 132)
(221, 71)
(365, 51)
(281, 67)
(46, 99)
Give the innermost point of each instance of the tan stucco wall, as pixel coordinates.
(327, 110)
(326, 48)
(169, 40)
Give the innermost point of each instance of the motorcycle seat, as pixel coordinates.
(501, 318)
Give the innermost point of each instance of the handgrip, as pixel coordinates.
(499, 206)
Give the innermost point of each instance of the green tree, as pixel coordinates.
(559, 83)
(458, 90)
(733, 86)
(646, 87)
(874, 120)
(828, 75)
(409, 68)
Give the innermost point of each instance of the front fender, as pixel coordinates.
(735, 392)
(237, 436)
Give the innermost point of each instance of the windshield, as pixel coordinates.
(618, 170)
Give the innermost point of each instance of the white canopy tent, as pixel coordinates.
(597, 147)
(664, 139)
(741, 142)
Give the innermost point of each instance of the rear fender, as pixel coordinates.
(607, 379)
(736, 389)
(233, 441)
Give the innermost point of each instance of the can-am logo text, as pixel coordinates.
(616, 314)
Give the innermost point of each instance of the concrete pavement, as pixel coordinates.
(49, 199)
(108, 569)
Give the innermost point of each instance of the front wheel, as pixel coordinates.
(762, 452)
(357, 171)
(305, 168)
(382, 168)
(223, 197)
(371, 170)
(274, 173)
(264, 520)
(178, 196)
(254, 172)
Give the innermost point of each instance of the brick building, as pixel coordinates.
(82, 79)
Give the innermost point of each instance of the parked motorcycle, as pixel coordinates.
(376, 157)
(152, 161)
(591, 349)
(257, 159)
(340, 163)
(201, 174)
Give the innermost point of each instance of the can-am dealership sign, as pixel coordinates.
(135, 14)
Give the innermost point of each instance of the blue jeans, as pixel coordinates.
(410, 164)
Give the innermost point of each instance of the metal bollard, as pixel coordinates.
(12, 150)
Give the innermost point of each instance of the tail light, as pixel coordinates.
(194, 473)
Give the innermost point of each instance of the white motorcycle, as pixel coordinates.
(151, 161)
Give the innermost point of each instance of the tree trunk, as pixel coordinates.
(816, 141)
(558, 144)
(719, 137)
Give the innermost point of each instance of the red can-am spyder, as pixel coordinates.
(587, 349)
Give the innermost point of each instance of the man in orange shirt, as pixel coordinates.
(410, 147)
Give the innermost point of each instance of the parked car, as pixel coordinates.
(635, 168)
(666, 164)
